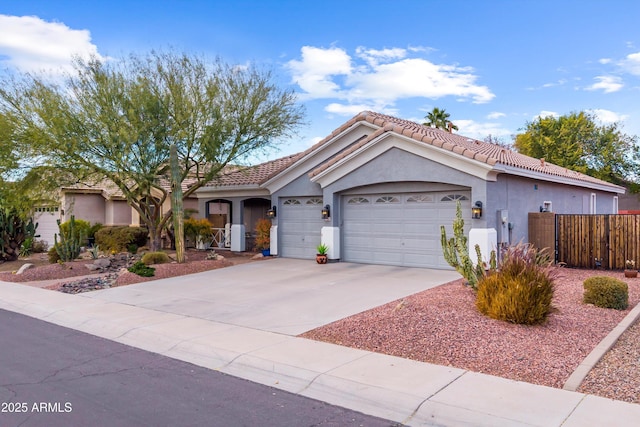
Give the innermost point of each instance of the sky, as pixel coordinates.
(493, 65)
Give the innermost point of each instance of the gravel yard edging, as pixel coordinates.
(580, 373)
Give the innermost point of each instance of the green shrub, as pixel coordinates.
(119, 238)
(606, 292)
(522, 289)
(141, 269)
(155, 258)
(81, 228)
(53, 255)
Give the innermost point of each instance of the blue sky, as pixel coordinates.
(492, 64)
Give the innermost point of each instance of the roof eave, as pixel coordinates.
(603, 186)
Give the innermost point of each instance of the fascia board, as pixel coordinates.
(310, 161)
(240, 191)
(388, 141)
(611, 188)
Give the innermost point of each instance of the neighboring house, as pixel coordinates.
(100, 203)
(378, 188)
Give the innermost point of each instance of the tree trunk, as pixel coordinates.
(177, 206)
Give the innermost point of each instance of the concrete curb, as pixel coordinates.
(581, 372)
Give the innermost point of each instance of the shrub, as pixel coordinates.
(119, 238)
(606, 292)
(81, 226)
(195, 229)
(263, 234)
(39, 246)
(522, 289)
(143, 270)
(53, 255)
(155, 258)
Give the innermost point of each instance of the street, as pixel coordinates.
(54, 376)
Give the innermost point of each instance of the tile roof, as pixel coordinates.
(485, 152)
(254, 175)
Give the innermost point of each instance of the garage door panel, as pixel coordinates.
(405, 232)
(300, 225)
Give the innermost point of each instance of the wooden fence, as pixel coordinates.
(588, 241)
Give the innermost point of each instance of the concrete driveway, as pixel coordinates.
(286, 296)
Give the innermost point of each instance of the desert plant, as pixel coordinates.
(606, 292)
(39, 246)
(198, 229)
(118, 239)
(52, 255)
(68, 247)
(521, 290)
(155, 258)
(322, 249)
(456, 252)
(94, 251)
(14, 231)
(141, 269)
(263, 234)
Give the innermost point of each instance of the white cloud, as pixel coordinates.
(604, 61)
(631, 64)
(473, 129)
(380, 77)
(608, 84)
(495, 115)
(31, 44)
(544, 114)
(607, 116)
(315, 72)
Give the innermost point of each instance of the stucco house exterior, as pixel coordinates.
(378, 188)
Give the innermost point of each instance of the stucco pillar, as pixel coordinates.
(487, 239)
(238, 242)
(273, 235)
(330, 236)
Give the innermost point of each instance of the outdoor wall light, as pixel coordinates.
(271, 213)
(326, 212)
(476, 210)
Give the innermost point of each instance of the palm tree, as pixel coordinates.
(439, 119)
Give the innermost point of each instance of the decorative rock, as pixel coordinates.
(102, 263)
(257, 256)
(25, 267)
(93, 267)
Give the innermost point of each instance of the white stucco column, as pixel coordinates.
(273, 236)
(487, 239)
(330, 236)
(238, 242)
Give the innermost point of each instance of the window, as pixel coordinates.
(615, 205)
(357, 201)
(314, 202)
(387, 199)
(592, 203)
(291, 202)
(453, 198)
(420, 198)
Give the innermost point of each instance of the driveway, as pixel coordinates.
(286, 296)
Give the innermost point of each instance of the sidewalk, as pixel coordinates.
(398, 389)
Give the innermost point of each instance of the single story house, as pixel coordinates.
(102, 203)
(378, 188)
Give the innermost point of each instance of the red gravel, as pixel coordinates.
(442, 326)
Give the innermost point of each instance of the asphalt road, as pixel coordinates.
(53, 376)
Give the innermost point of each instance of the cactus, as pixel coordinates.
(14, 231)
(68, 247)
(456, 252)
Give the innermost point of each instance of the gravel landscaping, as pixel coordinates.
(442, 326)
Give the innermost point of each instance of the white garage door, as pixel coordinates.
(299, 223)
(47, 217)
(400, 229)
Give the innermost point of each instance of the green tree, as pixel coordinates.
(117, 120)
(439, 118)
(576, 141)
